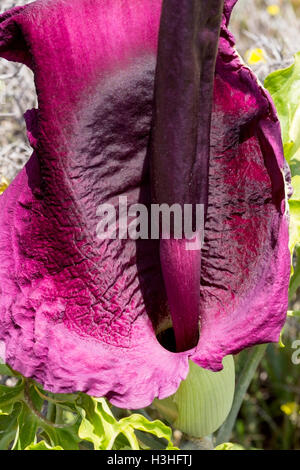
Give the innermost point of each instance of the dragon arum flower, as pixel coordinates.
(151, 102)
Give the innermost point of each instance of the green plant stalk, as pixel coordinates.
(246, 375)
(51, 409)
(295, 280)
(59, 415)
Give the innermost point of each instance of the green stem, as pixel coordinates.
(59, 415)
(51, 409)
(150, 441)
(46, 397)
(248, 370)
(295, 280)
(134, 443)
(38, 414)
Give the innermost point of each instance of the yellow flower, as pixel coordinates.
(3, 184)
(254, 56)
(273, 10)
(289, 408)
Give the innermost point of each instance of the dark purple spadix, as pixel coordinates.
(180, 143)
(183, 97)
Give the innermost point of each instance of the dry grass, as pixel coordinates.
(17, 94)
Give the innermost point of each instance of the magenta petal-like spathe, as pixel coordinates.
(80, 313)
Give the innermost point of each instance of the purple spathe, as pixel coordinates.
(81, 314)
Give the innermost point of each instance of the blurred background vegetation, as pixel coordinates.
(267, 35)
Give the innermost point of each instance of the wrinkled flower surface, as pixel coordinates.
(82, 314)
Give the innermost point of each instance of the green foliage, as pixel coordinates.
(262, 422)
(229, 446)
(42, 445)
(100, 427)
(5, 370)
(294, 313)
(31, 419)
(284, 87)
